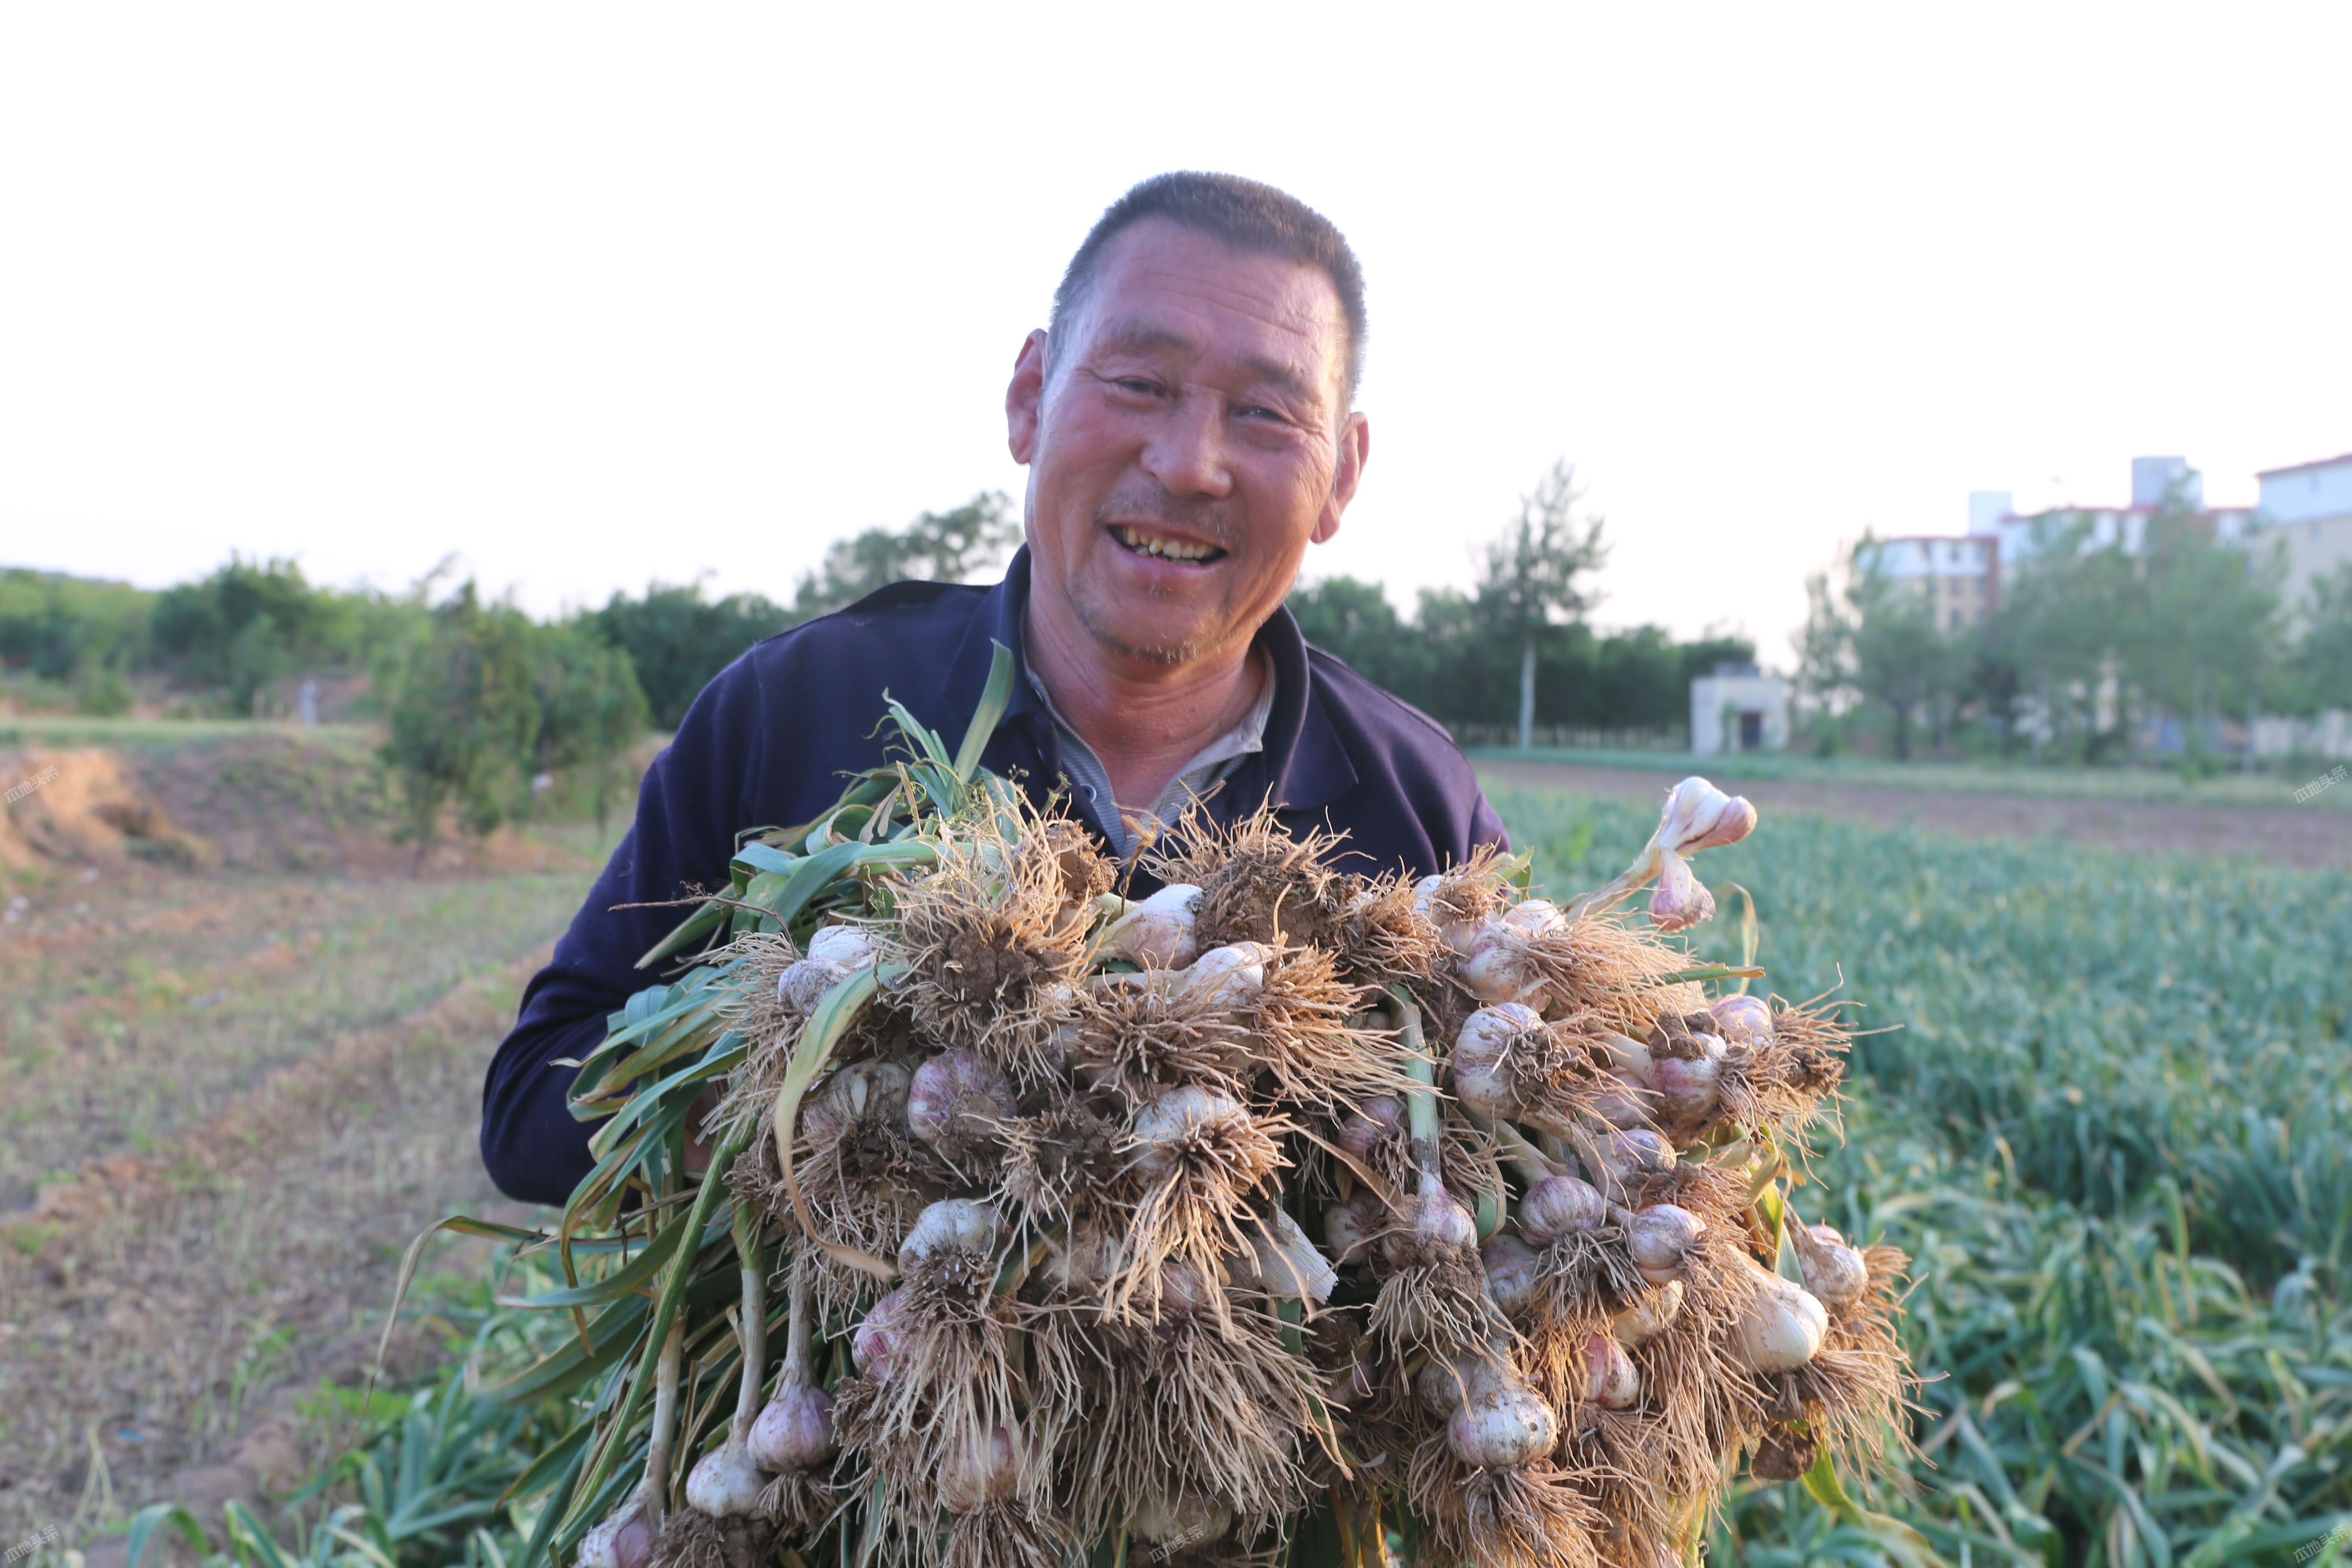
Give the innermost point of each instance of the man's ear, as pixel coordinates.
(1024, 398)
(1355, 451)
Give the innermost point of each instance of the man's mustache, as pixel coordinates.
(1196, 515)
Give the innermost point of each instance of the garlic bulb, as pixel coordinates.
(957, 1102)
(1181, 1524)
(1534, 915)
(1374, 1120)
(980, 1468)
(1284, 1264)
(1634, 1156)
(1779, 1330)
(1158, 933)
(1661, 1239)
(1434, 1218)
(1688, 1092)
(1743, 1017)
(880, 1337)
(1491, 967)
(1479, 1052)
(1501, 1421)
(622, 1538)
(951, 1224)
(1514, 1272)
(1457, 935)
(726, 1483)
(1834, 1271)
(851, 947)
(1558, 1205)
(874, 1090)
(1163, 1126)
(794, 1429)
(1680, 900)
(1610, 1379)
(1443, 1383)
(1349, 1227)
(1625, 1107)
(1697, 815)
(1648, 1317)
(804, 984)
(1229, 977)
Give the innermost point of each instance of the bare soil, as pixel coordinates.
(2284, 838)
(162, 1318)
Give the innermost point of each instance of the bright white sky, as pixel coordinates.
(591, 294)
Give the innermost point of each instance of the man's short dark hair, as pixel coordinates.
(1245, 215)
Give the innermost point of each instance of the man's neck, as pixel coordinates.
(1143, 721)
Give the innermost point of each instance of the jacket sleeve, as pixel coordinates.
(693, 800)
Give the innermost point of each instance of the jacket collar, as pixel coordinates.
(1303, 767)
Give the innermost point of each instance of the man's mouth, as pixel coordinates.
(1163, 545)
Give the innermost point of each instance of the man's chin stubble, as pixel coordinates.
(1099, 625)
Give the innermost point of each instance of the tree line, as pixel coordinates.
(478, 701)
(2094, 648)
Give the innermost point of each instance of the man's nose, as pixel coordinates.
(1187, 453)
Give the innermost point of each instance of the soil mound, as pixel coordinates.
(85, 807)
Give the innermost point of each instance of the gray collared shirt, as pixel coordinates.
(1209, 766)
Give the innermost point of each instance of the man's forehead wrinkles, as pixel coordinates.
(1274, 307)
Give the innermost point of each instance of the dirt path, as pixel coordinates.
(2285, 837)
(162, 1319)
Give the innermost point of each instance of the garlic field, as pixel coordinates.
(2112, 1130)
(2111, 1127)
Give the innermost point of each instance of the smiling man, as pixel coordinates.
(1188, 420)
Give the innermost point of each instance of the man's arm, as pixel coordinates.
(690, 808)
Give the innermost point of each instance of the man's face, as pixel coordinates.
(1187, 437)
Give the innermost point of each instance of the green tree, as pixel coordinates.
(1874, 638)
(465, 716)
(1530, 584)
(951, 546)
(591, 709)
(1354, 620)
(248, 625)
(676, 640)
(2206, 636)
(2321, 666)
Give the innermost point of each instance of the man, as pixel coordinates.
(1189, 424)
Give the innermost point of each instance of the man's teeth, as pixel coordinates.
(1153, 544)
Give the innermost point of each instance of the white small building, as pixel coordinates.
(1738, 710)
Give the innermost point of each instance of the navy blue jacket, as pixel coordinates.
(771, 738)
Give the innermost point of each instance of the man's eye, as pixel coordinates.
(1137, 386)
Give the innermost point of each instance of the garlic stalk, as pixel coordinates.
(726, 1483)
(1697, 815)
(624, 1538)
(794, 1432)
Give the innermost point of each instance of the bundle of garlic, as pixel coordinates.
(1284, 1211)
